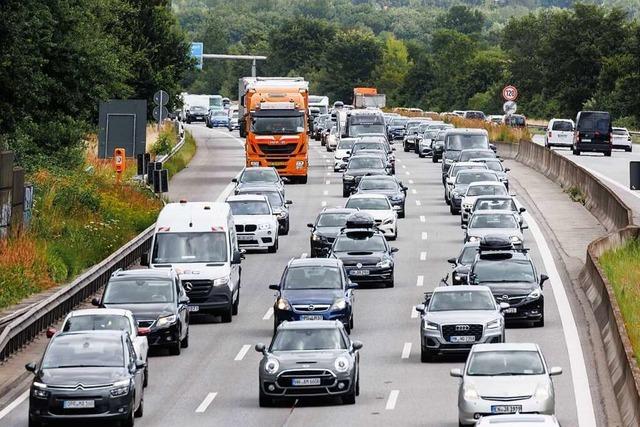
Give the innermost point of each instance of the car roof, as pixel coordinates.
(337, 210)
(470, 163)
(493, 212)
(493, 183)
(148, 273)
(519, 420)
(315, 262)
(368, 196)
(94, 333)
(192, 216)
(311, 324)
(520, 346)
(248, 189)
(466, 131)
(247, 198)
(259, 168)
(472, 288)
(619, 128)
(385, 177)
(497, 196)
(100, 311)
(475, 150)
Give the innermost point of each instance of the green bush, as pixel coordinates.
(163, 145)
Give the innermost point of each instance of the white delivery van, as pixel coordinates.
(198, 240)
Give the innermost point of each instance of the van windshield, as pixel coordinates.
(591, 122)
(200, 247)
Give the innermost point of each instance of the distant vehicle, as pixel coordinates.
(217, 118)
(474, 115)
(397, 128)
(380, 208)
(322, 122)
(621, 138)
(479, 189)
(364, 121)
(233, 119)
(389, 186)
(593, 133)
(463, 179)
(342, 153)
(437, 146)
(450, 180)
(334, 358)
(279, 205)
(319, 102)
(504, 379)
(456, 140)
(559, 133)
(358, 167)
(328, 224)
(502, 224)
(495, 165)
(259, 177)
(495, 119)
(82, 375)
(494, 203)
(462, 263)
(331, 140)
(515, 121)
(459, 113)
(196, 113)
(473, 154)
(255, 223)
(366, 97)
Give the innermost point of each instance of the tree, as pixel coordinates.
(463, 19)
(392, 71)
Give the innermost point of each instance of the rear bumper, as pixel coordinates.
(594, 147)
(376, 275)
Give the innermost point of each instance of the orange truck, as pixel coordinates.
(368, 97)
(273, 117)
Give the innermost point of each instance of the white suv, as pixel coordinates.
(380, 208)
(559, 133)
(621, 138)
(255, 222)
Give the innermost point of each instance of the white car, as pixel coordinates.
(559, 133)
(331, 142)
(518, 420)
(477, 189)
(621, 138)
(255, 222)
(115, 319)
(380, 208)
(343, 151)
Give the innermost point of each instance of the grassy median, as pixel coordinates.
(181, 159)
(622, 268)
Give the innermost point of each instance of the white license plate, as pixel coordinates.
(241, 237)
(510, 310)
(359, 272)
(78, 404)
(193, 308)
(312, 317)
(305, 381)
(462, 339)
(585, 140)
(506, 409)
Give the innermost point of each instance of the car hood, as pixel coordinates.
(364, 258)
(510, 288)
(253, 219)
(363, 172)
(498, 232)
(146, 311)
(387, 193)
(379, 214)
(507, 386)
(307, 359)
(340, 154)
(462, 316)
(312, 296)
(460, 188)
(72, 377)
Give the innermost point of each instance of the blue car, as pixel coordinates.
(314, 289)
(218, 118)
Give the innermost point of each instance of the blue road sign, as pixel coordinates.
(197, 49)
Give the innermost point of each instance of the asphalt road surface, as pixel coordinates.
(215, 380)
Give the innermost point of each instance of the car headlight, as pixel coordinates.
(388, 221)
(165, 321)
(221, 281)
(543, 392)
(348, 177)
(40, 390)
(430, 325)
(339, 304)
(299, 164)
(494, 324)
(384, 264)
(515, 239)
(397, 197)
(473, 238)
(264, 226)
(283, 304)
(120, 388)
(455, 194)
(282, 215)
(341, 364)
(535, 294)
(470, 393)
(448, 161)
(317, 238)
(272, 366)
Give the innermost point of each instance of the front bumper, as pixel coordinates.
(388, 230)
(594, 147)
(295, 166)
(196, 118)
(331, 383)
(424, 150)
(160, 337)
(433, 340)
(374, 275)
(259, 239)
(209, 299)
(469, 411)
(328, 314)
(106, 407)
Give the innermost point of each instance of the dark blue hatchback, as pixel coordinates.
(314, 289)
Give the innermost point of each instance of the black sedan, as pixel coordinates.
(326, 227)
(358, 167)
(158, 302)
(387, 185)
(462, 263)
(83, 376)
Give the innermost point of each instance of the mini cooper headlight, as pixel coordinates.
(271, 366)
(341, 364)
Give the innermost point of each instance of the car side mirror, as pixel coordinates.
(356, 345)
(31, 367)
(51, 331)
(310, 225)
(452, 261)
(456, 373)
(504, 305)
(464, 226)
(234, 180)
(420, 308)
(95, 302)
(140, 364)
(394, 250)
(274, 287)
(507, 169)
(285, 180)
(237, 257)
(521, 210)
(260, 348)
(556, 370)
(144, 259)
(543, 278)
(143, 331)
(288, 202)
(352, 285)
(396, 208)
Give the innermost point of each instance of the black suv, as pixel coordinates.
(158, 302)
(512, 277)
(364, 251)
(328, 224)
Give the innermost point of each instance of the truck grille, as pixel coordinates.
(277, 149)
(198, 290)
(240, 228)
(454, 330)
(326, 377)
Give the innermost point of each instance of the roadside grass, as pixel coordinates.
(622, 268)
(497, 133)
(181, 159)
(576, 195)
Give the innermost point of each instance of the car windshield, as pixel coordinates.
(399, 122)
(356, 243)
(378, 184)
(308, 340)
(196, 247)
(97, 322)
(313, 277)
(368, 146)
(468, 255)
(466, 156)
(464, 142)
(462, 300)
(456, 169)
(355, 130)
(494, 165)
(430, 134)
(141, 291)
(249, 207)
(332, 220)
(259, 175)
(275, 198)
(346, 144)
(197, 108)
(508, 270)
(277, 125)
(495, 205)
(84, 351)
(622, 132)
(469, 177)
(564, 126)
(493, 221)
(499, 363)
(474, 115)
(487, 190)
(366, 163)
(591, 121)
(220, 114)
(376, 204)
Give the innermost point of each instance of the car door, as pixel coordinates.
(236, 269)
(138, 374)
(183, 312)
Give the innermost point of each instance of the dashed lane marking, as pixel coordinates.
(406, 350)
(420, 281)
(242, 353)
(268, 314)
(206, 402)
(392, 400)
(423, 256)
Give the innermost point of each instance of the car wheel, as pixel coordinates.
(303, 180)
(607, 153)
(34, 423)
(227, 316)
(402, 213)
(264, 401)
(358, 386)
(345, 193)
(185, 342)
(130, 421)
(140, 411)
(421, 155)
(426, 356)
(286, 229)
(434, 159)
(629, 149)
(350, 397)
(236, 305)
(273, 248)
(146, 373)
(539, 323)
(576, 152)
(351, 322)
(453, 210)
(406, 149)
(175, 349)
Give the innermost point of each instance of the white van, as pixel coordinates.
(559, 133)
(198, 240)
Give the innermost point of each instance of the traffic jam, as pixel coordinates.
(194, 267)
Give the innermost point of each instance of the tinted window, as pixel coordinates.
(495, 205)
(277, 125)
(332, 220)
(623, 132)
(313, 278)
(494, 165)
(463, 142)
(138, 291)
(562, 126)
(177, 248)
(368, 204)
(496, 363)
(84, 351)
(360, 244)
(259, 175)
(366, 163)
(461, 300)
(590, 122)
(308, 339)
(487, 190)
(493, 221)
(346, 144)
(97, 322)
(455, 169)
(468, 255)
(249, 207)
(378, 184)
(465, 177)
(465, 156)
(275, 198)
(399, 122)
(368, 146)
(503, 271)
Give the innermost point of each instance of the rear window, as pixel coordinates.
(591, 122)
(623, 132)
(562, 126)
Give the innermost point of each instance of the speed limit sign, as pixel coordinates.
(510, 93)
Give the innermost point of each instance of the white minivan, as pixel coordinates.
(559, 133)
(198, 240)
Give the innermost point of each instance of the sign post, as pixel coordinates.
(119, 162)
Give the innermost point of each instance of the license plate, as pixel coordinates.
(359, 272)
(79, 404)
(462, 339)
(585, 140)
(241, 237)
(312, 317)
(305, 381)
(194, 308)
(506, 409)
(510, 310)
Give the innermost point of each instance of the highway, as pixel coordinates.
(215, 380)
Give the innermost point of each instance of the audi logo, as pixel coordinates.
(462, 328)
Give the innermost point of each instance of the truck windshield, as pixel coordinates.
(277, 125)
(177, 248)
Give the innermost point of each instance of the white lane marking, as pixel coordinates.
(404, 166)
(13, 405)
(328, 173)
(392, 400)
(414, 191)
(418, 203)
(414, 313)
(268, 314)
(328, 182)
(242, 353)
(424, 235)
(206, 402)
(406, 350)
(324, 203)
(398, 160)
(422, 218)
(407, 173)
(580, 380)
(420, 281)
(327, 160)
(325, 193)
(304, 255)
(226, 192)
(423, 256)
(410, 181)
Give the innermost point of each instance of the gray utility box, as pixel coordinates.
(123, 124)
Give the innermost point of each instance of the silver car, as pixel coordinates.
(504, 379)
(455, 318)
(309, 358)
(496, 223)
